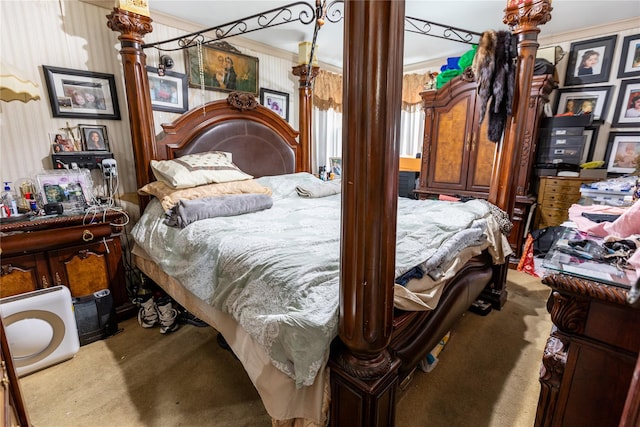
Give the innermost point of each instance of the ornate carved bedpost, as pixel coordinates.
(364, 375)
(524, 16)
(305, 94)
(133, 27)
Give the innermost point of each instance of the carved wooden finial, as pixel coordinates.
(242, 101)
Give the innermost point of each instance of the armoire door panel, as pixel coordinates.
(481, 160)
(448, 159)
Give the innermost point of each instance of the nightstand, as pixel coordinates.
(556, 194)
(70, 250)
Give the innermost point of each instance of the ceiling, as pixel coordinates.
(478, 16)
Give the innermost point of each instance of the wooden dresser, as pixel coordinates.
(457, 157)
(589, 360)
(84, 254)
(556, 194)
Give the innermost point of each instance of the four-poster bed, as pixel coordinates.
(378, 345)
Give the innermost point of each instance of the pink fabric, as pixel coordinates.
(627, 225)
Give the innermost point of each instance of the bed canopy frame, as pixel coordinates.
(366, 370)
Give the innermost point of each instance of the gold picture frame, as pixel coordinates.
(225, 68)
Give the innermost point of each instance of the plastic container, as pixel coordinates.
(603, 197)
(9, 199)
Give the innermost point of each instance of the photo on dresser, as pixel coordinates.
(623, 152)
(584, 100)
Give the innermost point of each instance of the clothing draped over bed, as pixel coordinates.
(276, 271)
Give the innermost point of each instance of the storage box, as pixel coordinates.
(603, 197)
(600, 173)
(567, 121)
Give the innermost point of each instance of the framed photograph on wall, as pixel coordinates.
(168, 92)
(623, 152)
(594, 100)
(590, 61)
(94, 137)
(591, 133)
(628, 106)
(225, 68)
(81, 94)
(275, 101)
(630, 57)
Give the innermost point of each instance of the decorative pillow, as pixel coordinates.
(197, 169)
(169, 197)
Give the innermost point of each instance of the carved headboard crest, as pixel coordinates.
(242, 101)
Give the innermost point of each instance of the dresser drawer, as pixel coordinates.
(562, 131)
(551, 217)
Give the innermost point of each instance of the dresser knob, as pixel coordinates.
(87, 236)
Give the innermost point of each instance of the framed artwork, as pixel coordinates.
(94, 137)
(169, 92)
(588, 100)
(591, 133)
(335, 163)
(71, 188)
(62, 143)
(623, 152)
(590, 61)
(630, 58)
(224, 68)
(628, 106)
(81, 94)
(275, 101)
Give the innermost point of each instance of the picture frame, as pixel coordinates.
(335, 166)
(94, 137)
(225, 68)
(81, 94)
(627, 112)
(62, 143)
(591, 133)
(276, 101)
(598, 96)
(623, 152)
(71, 188)
(169, 93)
(590, 61)
(630, 57)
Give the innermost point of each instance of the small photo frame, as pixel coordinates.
(169, 93)
(335, 166)
(628, 106)
(81, 94)
(590, 61)
(94, 137)
(630, 58)
(591, 133)
(71, 188)
(623, 152)
(578, 101)
(61, 143)
(277, 102)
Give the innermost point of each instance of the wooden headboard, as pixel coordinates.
(261, 142)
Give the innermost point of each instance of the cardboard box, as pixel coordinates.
(600, 173)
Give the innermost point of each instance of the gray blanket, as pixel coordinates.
(320, 188)
(188, 211)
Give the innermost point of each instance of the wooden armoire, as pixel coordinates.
(457, 156)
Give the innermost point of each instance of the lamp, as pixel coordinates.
(553, 54)
(15, 88)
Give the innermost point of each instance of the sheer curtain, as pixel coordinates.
(327, 117)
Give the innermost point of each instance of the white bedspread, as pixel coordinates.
(277, 271)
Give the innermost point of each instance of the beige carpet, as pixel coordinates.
(487, 375)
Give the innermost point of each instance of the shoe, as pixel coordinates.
(148, 313)
(168, 315)
(187, 317)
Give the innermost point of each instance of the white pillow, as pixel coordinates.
(197, 169)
